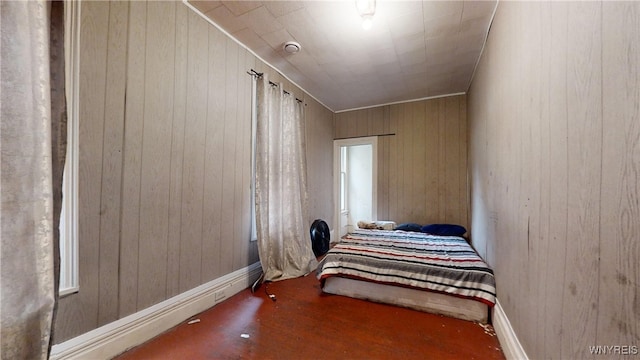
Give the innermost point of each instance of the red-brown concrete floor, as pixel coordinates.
(304, 323)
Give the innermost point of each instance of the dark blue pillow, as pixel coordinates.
(409, 227)
(444, 229)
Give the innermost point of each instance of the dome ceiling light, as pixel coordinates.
(291, 47)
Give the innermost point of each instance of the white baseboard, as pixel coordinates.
(115, 338)
(509, 342)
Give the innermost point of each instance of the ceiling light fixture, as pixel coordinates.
(366, 9)
(291, 47)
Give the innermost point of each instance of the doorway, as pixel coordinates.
(355, 185)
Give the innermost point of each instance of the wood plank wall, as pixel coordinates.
(165, 136)
(319, 163)
(422, 158)
(554, 122)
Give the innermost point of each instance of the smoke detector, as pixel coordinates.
(291, 47)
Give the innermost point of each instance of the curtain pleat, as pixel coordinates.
(281, 185)
(28, 286)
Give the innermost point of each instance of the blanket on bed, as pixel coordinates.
(445, 264)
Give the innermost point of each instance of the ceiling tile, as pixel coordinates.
(303, 61)
(279, 8)
(332, 56)
(406, 25)
(388, 70)
(251, 40)
(442, 26)
(410, 70)
(439, 46)
(277, 38)
(384, 56)
(261, 21)
(205, 6)
(471, 41)
(361, 69)
(225, 19)
(296, 18)
(475, 25)
(414, 57)
(436, 9)
(337, 71)
(391, 10)
(467, 58)
(410, 43)
(240, 7)
(414, 49)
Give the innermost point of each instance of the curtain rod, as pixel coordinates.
(283, 90)
(355, 137)
(257, 74)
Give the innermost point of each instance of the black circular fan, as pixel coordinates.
(320, 237)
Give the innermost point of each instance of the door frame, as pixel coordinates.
(337, 144)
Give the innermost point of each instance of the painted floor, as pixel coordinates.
(304, 323)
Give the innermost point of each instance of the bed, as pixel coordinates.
(437, 274)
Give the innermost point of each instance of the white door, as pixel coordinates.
(355, 187)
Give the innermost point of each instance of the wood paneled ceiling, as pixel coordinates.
(414, 50)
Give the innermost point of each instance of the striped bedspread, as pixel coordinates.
(445, 264)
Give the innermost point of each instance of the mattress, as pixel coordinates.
(426, 301)
(441, 264)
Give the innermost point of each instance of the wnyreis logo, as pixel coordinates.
(613, 350)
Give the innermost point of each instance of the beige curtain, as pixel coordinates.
(281, 186)
(32, 146)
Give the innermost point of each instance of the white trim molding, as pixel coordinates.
(337, 144)
(509, 342)
(401, 102)
(69, 258)
(121, 335)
